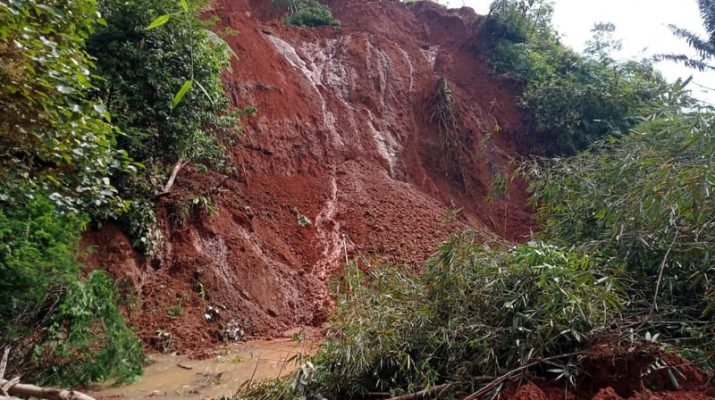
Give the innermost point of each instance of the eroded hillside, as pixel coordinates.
(350, 154)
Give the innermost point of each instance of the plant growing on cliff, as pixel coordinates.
(572, 99)
(162, 81)
(63, 329)
(308, 13)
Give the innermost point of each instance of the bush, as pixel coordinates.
(645, 201)
(87, 339)
(572, 100)
(143, 72)
(62, 329)
(479, 311)
(54, 139)
(309, 13)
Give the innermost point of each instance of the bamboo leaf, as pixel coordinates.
(181, 93)
(159, 21)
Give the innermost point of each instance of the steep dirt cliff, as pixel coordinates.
(347, 156)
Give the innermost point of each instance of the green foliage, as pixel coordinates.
(141, 223)
(572, 100)
(308, 13)
(161, 70)
(480, 310)
(53, 137)
(88, 339)
(704, 46)
(65, 330)
(517, 21)
(644, 200)
(38, 248)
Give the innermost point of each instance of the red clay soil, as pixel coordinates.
(345, 136)
(346, 139)
(621, 370)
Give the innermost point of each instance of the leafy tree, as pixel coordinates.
(603, 44)
(161, 78)
(572, 100)
(645, 201)
(53, 138)
(704, 47)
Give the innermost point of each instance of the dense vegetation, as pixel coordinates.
(308, 13)
(101, 104)
(99, 114)
(572, 99)
(143, 72)
(56, 140)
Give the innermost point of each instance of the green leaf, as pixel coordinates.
(185, 5)
(159, 21)
(181, 93)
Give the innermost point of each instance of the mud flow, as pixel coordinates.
(176, 377)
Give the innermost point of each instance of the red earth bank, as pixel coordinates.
(344, 138)
(618, 370)
(344, 158)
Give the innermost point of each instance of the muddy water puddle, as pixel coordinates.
(172, 377)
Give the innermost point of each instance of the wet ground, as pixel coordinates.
(170, 377)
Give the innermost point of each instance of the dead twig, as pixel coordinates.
(498, 381)
(433, 391)
(3, 363)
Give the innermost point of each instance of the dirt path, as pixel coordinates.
(171, 377)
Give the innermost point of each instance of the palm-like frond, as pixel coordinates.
(704, 47)
(687, 61)
(707, 13)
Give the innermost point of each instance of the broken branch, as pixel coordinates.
(27, 391)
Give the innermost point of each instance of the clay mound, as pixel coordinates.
(614, 370)
(342, 159)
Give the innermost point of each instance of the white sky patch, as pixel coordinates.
(642, 25)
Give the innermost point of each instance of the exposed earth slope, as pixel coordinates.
(347, 156)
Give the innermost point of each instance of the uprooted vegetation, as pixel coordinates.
(445, 115)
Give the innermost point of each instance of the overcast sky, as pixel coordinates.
(640, 24)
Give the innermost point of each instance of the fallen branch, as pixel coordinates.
(496, 382)
(27, 391)
(422, 394)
